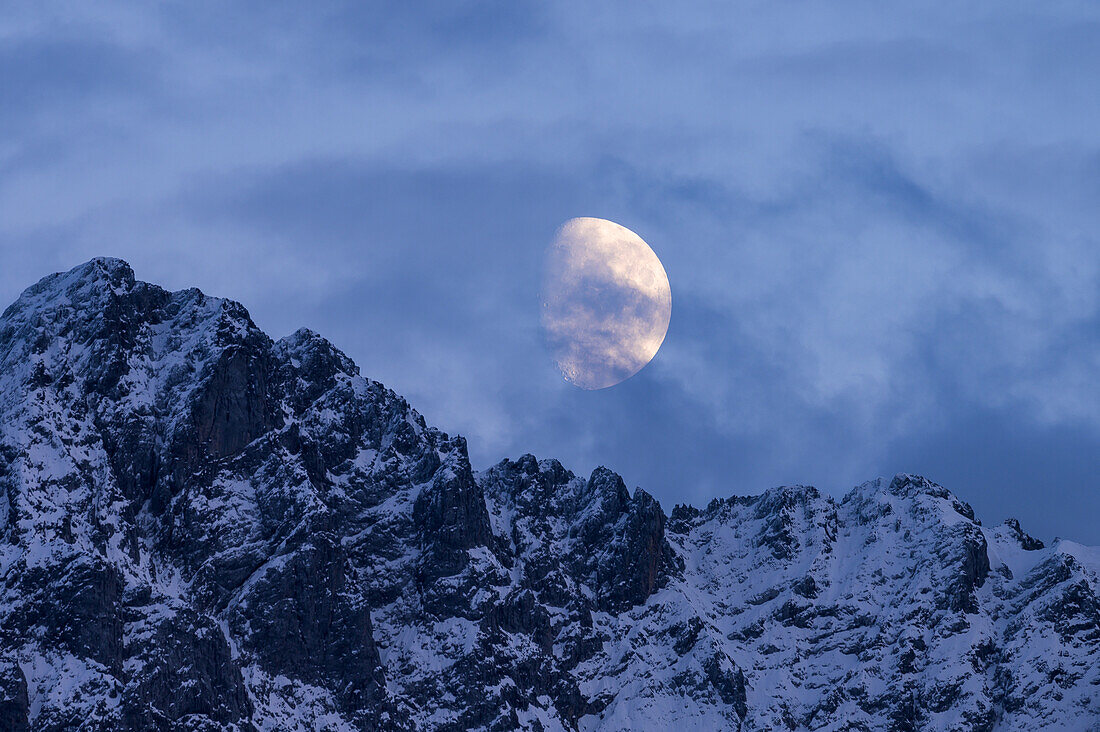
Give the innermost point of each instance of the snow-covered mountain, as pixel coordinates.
(202, 528)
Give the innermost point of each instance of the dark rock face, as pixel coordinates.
(308, 623)
(186, 669)
(79, 609)
(14, 704)
(205, 529)
(451, 516)
(625, 555)
(235, 405)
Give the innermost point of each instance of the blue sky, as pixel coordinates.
(881, 227)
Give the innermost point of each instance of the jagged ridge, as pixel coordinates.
(202, 528)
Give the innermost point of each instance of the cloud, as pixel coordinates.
(879, 227)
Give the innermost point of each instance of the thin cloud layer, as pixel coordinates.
(881, 227)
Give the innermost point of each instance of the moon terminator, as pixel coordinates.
(606, 302)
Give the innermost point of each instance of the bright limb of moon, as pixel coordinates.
(606, 302)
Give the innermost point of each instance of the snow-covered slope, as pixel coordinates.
(202, 528)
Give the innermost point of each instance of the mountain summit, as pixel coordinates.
(204, 529)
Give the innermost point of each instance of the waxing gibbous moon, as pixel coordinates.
(606, 302)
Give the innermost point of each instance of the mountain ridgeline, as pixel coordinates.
(205, 529)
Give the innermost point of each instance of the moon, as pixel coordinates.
(606, 302)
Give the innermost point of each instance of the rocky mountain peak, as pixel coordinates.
(91, 282)
(1026, 541)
